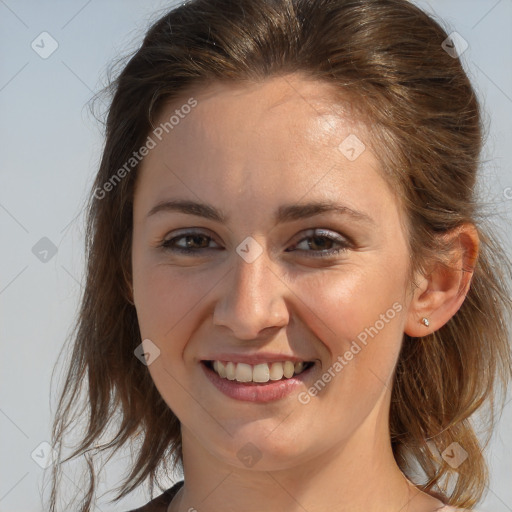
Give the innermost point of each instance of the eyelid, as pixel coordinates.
(324, 232)
(188, 231)
(184, 232)
(344, 241)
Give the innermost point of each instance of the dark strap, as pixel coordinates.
(160, 503)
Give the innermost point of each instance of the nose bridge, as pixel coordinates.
(252, 299)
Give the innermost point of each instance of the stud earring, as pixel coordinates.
(425, 322)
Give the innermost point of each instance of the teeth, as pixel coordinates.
(230, 370)
(263, 372)
(276, 371)
(289, 368)
(221, 369)
(260, 373)
(243, 372)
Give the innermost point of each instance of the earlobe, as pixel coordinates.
(439, 295)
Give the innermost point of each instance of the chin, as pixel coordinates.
(255, 449)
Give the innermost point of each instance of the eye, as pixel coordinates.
(320, 243)
(188, 243)
(324, 243)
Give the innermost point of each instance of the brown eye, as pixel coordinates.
(322, 242)
(188, 243)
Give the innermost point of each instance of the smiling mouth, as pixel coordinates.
(258, 373)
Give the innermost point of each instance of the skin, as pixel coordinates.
(248, 150)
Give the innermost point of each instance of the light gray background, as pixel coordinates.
(50, 147)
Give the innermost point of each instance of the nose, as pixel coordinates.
(253, 299)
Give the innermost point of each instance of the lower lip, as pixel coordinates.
(257, 392)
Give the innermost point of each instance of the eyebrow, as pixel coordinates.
(285, 213)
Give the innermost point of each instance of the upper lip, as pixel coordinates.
(260, 357)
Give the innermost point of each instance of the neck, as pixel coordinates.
(355, 474)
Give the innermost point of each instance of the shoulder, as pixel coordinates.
(160, 503)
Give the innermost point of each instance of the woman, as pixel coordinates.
(290, 292)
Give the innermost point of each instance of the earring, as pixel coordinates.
(425, 322)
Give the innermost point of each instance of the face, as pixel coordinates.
(265, 233)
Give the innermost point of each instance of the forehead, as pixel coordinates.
(255, 146)
(273, 92)
(280, 100)
(289, 118)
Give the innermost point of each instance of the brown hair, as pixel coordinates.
(386, 55)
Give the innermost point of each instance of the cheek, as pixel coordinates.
(168, 303)
(359, 317)
(344, 303)
(166, 298)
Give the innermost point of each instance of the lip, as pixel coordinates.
(254, 391)
(260, 357)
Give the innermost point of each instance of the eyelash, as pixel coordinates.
(317, 233)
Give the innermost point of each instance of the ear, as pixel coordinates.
(440, 294)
